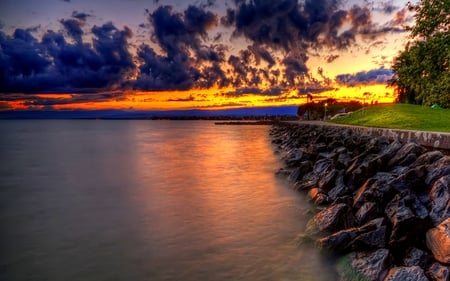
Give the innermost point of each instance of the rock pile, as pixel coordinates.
(383, 205)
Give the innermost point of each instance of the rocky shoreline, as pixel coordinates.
(383, 206)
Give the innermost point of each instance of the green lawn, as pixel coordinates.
(399, 116)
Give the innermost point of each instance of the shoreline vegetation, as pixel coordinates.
(399, 116)
(382, 206)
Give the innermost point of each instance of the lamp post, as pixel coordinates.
(325, 115)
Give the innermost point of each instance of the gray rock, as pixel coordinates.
(375, 189)
(415, 256)
(369, 166)
(427, 158)
(333, 218)
(438, 241)
(338, 191)
(411, 179)
(437, 170)
(370, 265)
(403, 273)
(301, 169)
(440, 200)
(402, 153)
(369, 236)
(439, 272)
(372, 235)
(339, 241)
(407, 215)
(368, 211)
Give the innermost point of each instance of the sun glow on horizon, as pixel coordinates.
(196, 99)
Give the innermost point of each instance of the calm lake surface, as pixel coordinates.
(148, 200)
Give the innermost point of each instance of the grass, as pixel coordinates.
(399, 116)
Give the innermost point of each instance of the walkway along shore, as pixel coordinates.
(383, 203)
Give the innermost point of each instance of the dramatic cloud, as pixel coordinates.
(190, 50)
(376, 76)
(53, 64)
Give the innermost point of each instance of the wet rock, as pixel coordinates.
(440, 200)
(407, 215)
(411, 179)
(438, 241)
(389, 151)
(428, 158)
(317, 196)
(408, 160)
(364, 265)
(415, 256)
(327, 179)
(439, 272)
(368, 211)
(339, 241)
(338, 191)
(333, 218)
(403, 273)
(372, 235)
(375, 189)
(437, 170)
(402, 153)
(368, 167)
(302, 168)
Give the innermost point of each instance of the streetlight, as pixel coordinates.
(325, 115)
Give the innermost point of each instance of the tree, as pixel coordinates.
(422, 70)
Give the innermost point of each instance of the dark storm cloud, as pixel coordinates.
(187, 51)
(183, 37)
(73, 28)
(52, 64)
(274, 91)
(375, 76)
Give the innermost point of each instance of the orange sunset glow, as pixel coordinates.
(71, 56)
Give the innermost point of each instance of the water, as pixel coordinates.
(148, 200)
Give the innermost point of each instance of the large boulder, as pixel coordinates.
(375, 189)
(368, 211)
(427, 158)
(334, 218)
(411, 179)
(438, 241)
(437, 170)
(405, 152)
(403, 273)
(408, 217)
(440, 200)
(339, 241)
(369, 236)
(372, 235)
(364, 265)
(301, 169)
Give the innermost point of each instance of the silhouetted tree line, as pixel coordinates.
(422, 70)
(326, 108)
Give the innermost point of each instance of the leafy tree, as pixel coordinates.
(422, 70)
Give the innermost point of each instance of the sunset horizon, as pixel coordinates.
(172, 55)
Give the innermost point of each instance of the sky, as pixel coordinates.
(196, 54)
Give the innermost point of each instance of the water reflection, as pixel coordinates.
(145, 200)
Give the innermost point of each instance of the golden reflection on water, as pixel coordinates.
(148, 200)
(213, 190)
